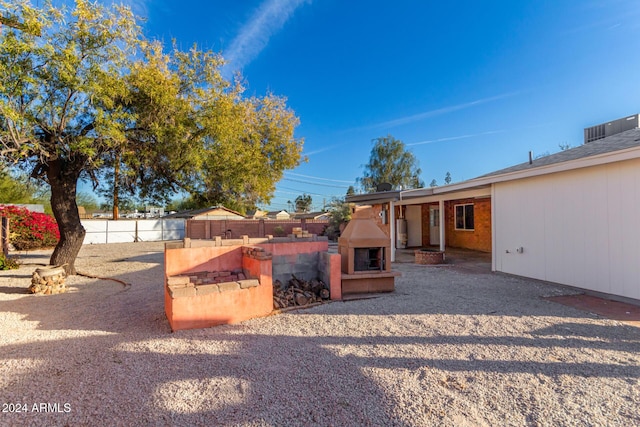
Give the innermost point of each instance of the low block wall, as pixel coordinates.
(193, 305)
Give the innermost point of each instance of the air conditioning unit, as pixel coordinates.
(604, 130)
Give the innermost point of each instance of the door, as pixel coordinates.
(414, 226)
(434, 225)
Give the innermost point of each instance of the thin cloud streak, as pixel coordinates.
(441, 111)
(320, 150)
(453, 138)
(140, 8)
(254, 35)
(317, 177)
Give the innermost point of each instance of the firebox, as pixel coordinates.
(368, 259)
(364, 250)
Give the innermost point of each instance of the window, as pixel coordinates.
(464, 217)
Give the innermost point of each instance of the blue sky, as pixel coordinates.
(470, 87)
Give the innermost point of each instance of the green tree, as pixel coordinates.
(390, 162)
(447, 178)
(433, 183)
(303, 203)
(339, 215)
(92, 98)
(88, 201)
(13, 190)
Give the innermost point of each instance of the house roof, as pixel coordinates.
(621, 146)
(203, 211)
(277, 212)
(309, 215)
(620, 141)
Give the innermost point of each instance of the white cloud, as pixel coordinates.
(254, 35)
(453, 138)
(440, 111)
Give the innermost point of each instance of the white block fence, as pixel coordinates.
(138, 230)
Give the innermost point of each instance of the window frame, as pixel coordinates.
(464, 216)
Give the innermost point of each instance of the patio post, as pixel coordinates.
(392, 230)
(442, 224)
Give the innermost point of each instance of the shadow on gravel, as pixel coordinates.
(10, 290)
(130, 369)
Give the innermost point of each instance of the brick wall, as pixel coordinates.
(425, 225)
(234, 229)
(478, 239)
(376, 213)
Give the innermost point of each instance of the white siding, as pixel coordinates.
(414, 226)
(577, 228)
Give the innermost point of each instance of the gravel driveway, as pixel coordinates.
(448, 347)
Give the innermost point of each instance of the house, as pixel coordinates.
(256, 214)
(323, 216)
(565, 218)
(212, 213)
(279, 215)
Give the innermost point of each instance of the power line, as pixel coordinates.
(314, 183)
(317, 177)
(304, 192)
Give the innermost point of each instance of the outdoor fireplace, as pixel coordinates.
(364, 250)
(368, 259)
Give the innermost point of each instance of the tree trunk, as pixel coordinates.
(63, 179)
(116, 177)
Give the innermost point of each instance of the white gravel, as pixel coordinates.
(446, 348)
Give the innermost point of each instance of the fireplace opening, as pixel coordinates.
(368, 259)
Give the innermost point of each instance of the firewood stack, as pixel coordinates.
(299, 293)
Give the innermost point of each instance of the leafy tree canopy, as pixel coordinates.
(84, 95)
(303, 203)
(390, 162)
(14, 190)
(339, 216)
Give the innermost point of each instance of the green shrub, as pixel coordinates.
(7, 263)
(30, 230)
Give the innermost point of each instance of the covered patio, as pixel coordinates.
(448, 219)
(465, 260)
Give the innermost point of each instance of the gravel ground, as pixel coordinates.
(446, 348)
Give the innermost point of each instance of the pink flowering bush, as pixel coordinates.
(30, 230)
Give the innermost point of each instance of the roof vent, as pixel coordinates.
(604, 130)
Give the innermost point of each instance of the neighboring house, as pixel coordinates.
(210, 213)
(311, 215)
(281, 215)
(564, 218)
(256, 214)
